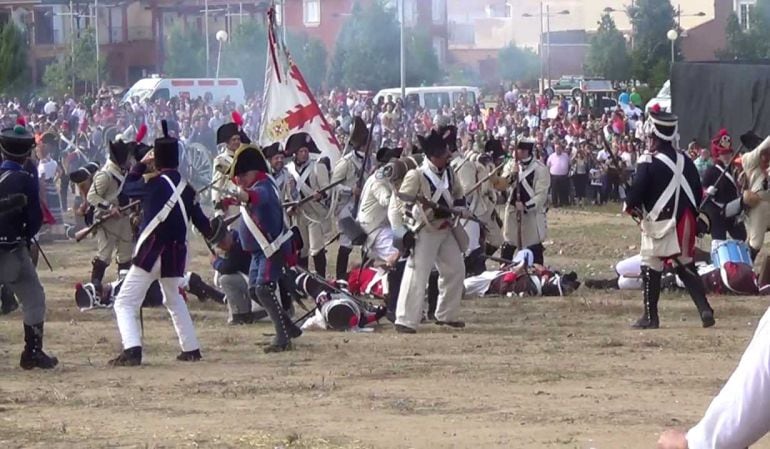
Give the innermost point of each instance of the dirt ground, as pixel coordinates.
(525, 373)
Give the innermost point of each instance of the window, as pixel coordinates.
(438, 8)
(44, 26)
(435, 101)
(116, 24)
(311, 12)
(439, 46)
(745, 8)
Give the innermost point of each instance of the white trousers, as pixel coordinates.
(130, 299)
(439, 249)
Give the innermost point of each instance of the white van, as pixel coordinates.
(434, 98)
(156, 87)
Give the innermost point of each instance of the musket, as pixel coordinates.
(83, 233)
(42, 253)
(484, 179)
(307, 199)
(362, 175)
(208, 186)
(721, 175)
(439, 208)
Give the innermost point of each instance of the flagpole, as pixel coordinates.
(403, 63)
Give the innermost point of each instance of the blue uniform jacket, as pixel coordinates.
(266, 211)
(169, 240)
(25, 224)
(652, 177)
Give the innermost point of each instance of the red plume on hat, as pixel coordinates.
(21, 125)
(655, 108)
(21, 121)
(721, 144)
(141, 133)
(237, 118)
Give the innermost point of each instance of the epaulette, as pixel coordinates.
(644, 158)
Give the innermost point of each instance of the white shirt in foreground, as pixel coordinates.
(740, 414)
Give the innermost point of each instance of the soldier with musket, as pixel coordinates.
(525, 220)
(724, 203)
(665, 198)
(433, 200)
(17, 231)
(232, 136)
(106, 197)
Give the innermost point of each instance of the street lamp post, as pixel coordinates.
(222, 38)
(547, 16)
(403, 53)
(672, 35)
(206, 31)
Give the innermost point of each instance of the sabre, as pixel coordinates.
(42, 253)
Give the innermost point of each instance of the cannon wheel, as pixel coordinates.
(200, 163)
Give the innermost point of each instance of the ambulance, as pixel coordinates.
(155, 87)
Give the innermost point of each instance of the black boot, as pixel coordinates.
(241, 318)
(753, 253)
(432, 295)
(507, 251)
(33, 355)
(602, 284)
(651, 288)
(394, 287)
(8, 301)
(342, 262)
(694, 284)
(204, 291)
(129, 357)
(319, 262)
(303, 262)
(98, 267)
(190, 356)
(490, 250)
(265, 294)
(123, 269)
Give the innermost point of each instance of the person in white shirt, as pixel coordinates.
(50, 107)
(740, 414)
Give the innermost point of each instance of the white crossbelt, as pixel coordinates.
(673, 188)
(301, 179)
(441, 185)
(268, 247)
(164, 212)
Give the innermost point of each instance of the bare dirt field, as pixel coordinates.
(526, 373)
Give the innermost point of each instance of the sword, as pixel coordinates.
(42, 253)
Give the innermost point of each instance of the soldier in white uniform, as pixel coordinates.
(373, 210)
(756, 196)
(439, 239)
(306, 177)
(348, 169)
(106, 197)
(232, 136)
(525, 220)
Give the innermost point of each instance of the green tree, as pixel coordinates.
(85, 59)
(608, 55)
(244, 56)
(310, 56)
(185, 53)
(753, 43)
(57, 77)
(368, 45)
(13, 60)
(517, 63)
(652, 19)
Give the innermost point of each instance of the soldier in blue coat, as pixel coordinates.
(168, 204)
(665, 197)
(17, 229)
(266, 235)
